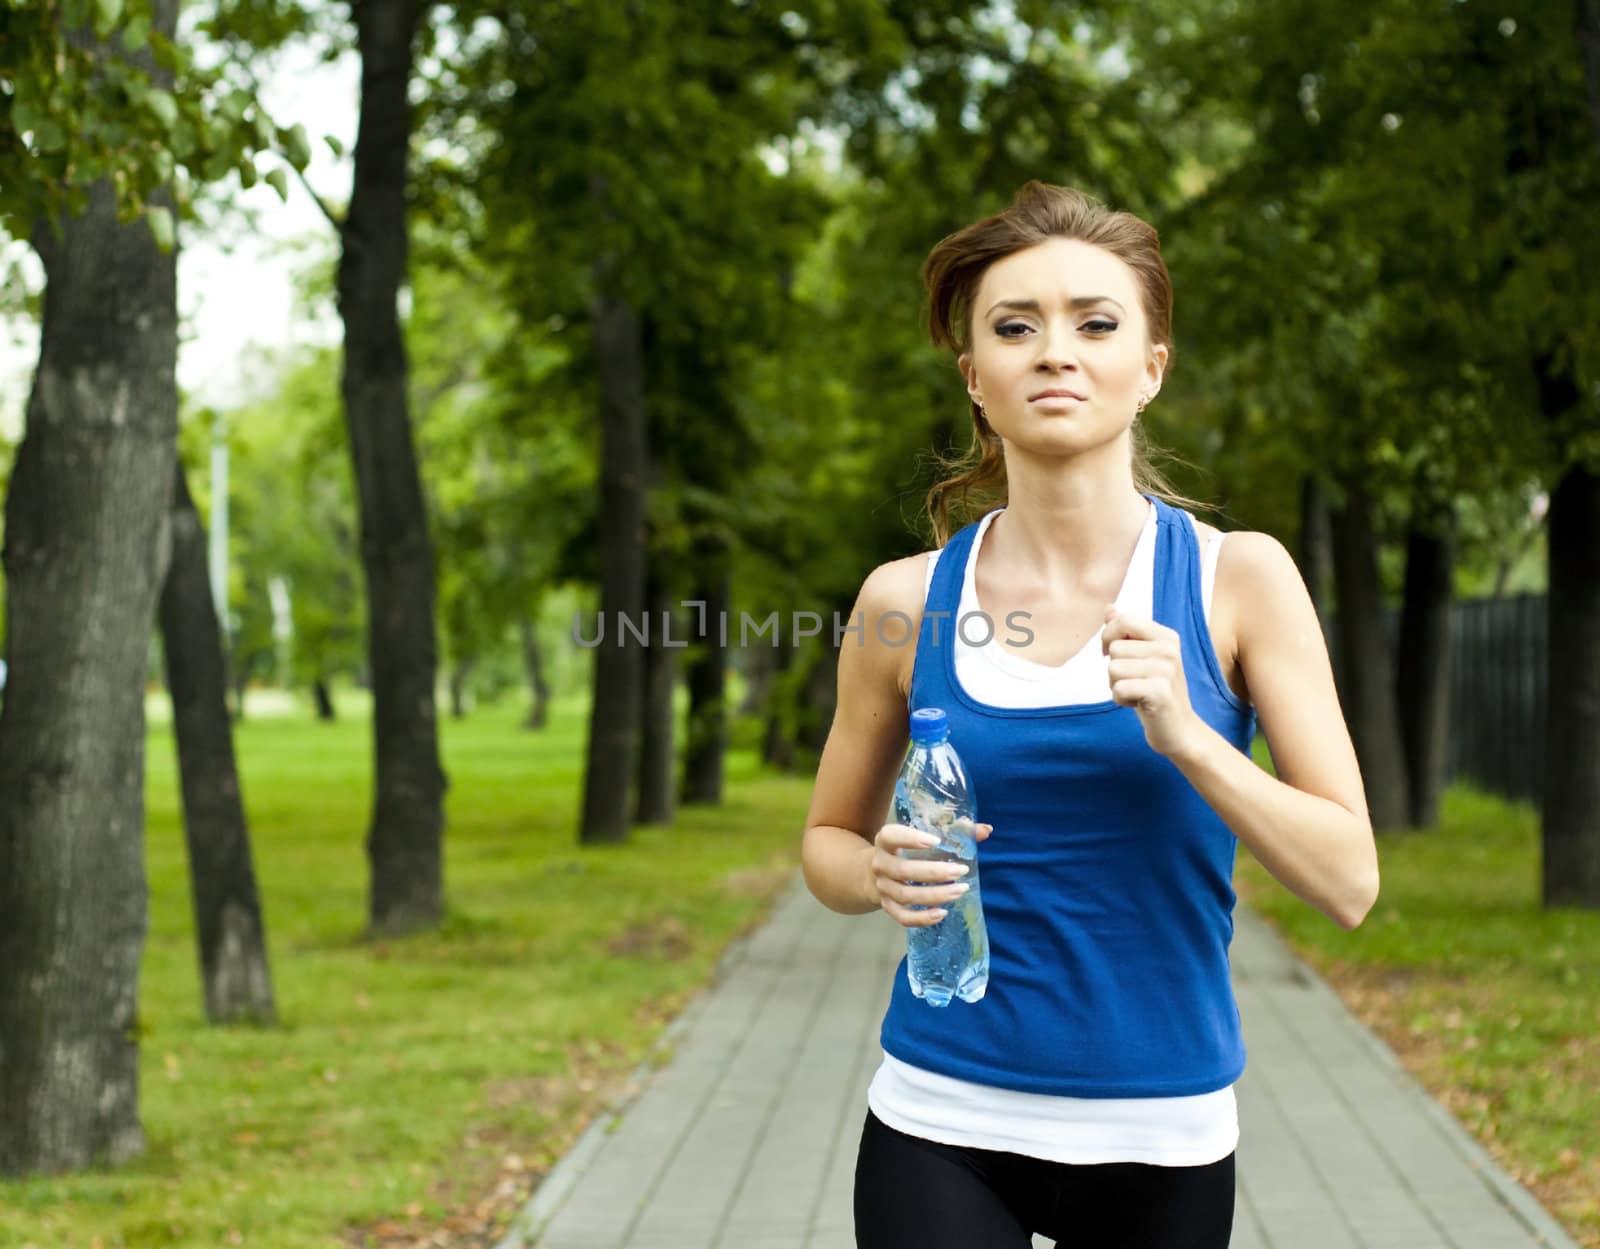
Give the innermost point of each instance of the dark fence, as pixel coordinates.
(1498, 666)
(1497, 692)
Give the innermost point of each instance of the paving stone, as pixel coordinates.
(747, 1139)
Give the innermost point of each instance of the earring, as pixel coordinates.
(992, 436)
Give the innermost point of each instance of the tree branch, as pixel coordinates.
(243, 66)
(333, 220)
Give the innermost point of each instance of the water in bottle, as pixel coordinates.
(932, 794)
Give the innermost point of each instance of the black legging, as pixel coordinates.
(913, 1193)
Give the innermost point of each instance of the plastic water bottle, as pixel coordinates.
(932, 794)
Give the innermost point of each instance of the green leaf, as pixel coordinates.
(106, 14)
(49, 137)
(265, 132)
(296, 145)
(168, 55)
(161, 227)
(278, 180)
(233, 105)
(136, 34)
(336, 147)
(163, 106)
(183, 141)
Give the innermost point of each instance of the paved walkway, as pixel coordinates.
(746, 1138)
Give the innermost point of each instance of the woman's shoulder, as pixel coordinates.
(1252, 557)
(1203, 531)
(896, 585)
(894, 591)
(1257, 581)
(1245, 550)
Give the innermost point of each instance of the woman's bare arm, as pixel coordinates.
(1308, 826)
(851, 853)
(865, 747)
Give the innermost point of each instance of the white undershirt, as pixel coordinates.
(1166, 1131)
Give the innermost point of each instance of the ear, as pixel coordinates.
(964, 363)
(1156, 367)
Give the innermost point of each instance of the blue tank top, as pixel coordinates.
(1107, 883)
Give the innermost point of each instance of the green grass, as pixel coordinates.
(409, 1074)
(1492, 1001)
(410, 1078)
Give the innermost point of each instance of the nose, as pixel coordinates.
(1055, 346)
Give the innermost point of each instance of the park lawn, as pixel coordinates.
(428, 1082)
(1491, 1002)
(418, 1082)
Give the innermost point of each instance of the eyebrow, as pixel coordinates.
(1032, 305)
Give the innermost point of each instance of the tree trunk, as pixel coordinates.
(533, 664)
(1367, 686)
(818, 697)
(619, 660)
(1571, 808)
(460, 674)
(657, 800)
(1422, 683)
(707, 677)
(1589, 47)
(758, 666)
(86, 534)
(777, 743)
(227, 907)
(404, 843)
(324, 700)
(1316, 542)
(818, 688)
(239, 670)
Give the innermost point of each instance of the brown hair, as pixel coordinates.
(951, 275)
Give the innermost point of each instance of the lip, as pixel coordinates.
(1055, 392)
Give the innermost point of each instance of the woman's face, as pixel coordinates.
(1063, 315)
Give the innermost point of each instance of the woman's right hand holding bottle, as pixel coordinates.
(902, 883)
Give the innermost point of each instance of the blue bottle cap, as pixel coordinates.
(928, 724)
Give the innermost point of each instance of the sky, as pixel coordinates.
(234, 289)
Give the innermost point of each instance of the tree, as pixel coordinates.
(405, 840)
(85, 555)
(81, 582)
(656, 797)
(1398, 229)
(619, 665)
(293, 527)
(707, 673)
(105, 124)
(1422, 663)
(1367, 687)
(1571, 872)
(644, 217)
(234, 968)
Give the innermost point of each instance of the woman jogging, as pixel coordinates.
(1103, 659)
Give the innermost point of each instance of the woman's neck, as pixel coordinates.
(1066, 524)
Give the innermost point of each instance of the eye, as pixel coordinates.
(1099, 326)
